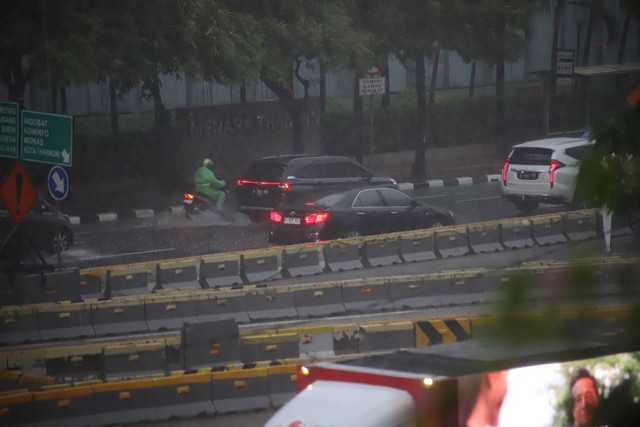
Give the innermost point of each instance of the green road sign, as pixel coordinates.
(9, 129)
(47, 138)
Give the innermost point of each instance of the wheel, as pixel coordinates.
(60, 242)
(352, 233)
(526, 205)
(439, 222)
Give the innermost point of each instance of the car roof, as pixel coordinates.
(552, 142)
(287, 158)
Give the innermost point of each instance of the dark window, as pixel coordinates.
(579, 152)
(368, 198)
(396, 198)
(531, 156)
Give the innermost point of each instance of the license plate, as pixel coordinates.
(260, 192)
(289, 220)
(527, 175)
(188, 201)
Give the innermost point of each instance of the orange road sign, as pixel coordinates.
(634, 96)
(18, 193)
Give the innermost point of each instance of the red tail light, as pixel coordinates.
(188, 196)
(316, 218)
(245, 182)
(285, 185)
(275, 216)
(282, 185)
(505, 168)
(555, 165)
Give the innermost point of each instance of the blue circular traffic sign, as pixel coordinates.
(58, 183)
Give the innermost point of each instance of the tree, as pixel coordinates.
(597, 11)
(632, 12)
(296, 33)
(610, 177)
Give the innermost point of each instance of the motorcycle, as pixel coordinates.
(196, 204)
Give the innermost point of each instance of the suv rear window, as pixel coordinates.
(579, 152)
(264, 171)
(531, 156)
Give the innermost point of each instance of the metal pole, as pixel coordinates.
(370, 130)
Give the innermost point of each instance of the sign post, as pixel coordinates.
(9, 129)
(47, 138)
(371, 86)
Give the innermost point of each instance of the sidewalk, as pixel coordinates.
(113, 201)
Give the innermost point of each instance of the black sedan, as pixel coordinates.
(325, 215)
(48, 228)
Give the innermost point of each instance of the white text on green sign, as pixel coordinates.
(9, 129)
(47, 138)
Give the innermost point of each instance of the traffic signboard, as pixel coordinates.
(58, 183)
(9, 129)
(47, 138)
(371, 86)
(565, 63)
(18, 193)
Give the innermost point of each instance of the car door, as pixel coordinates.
(372, 216)
(401, 210)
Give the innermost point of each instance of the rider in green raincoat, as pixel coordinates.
(207, 184)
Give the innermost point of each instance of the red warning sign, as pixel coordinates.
(17, 192)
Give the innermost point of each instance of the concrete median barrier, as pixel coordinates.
(346, 339)
(304, 260)
(382, 251)
(409, 292)
(118, 316)
(281, 382)
(220, 305)
(321, 299)
(133, 360)
(220, 271)
(70, 320)
(241, 390)
(366, 296)
(269, 348)
(260, 266)
(459, 288)
(343, 255)
(50, 286)
(128, 401)
(485, 237)
(316, 341)
(92, 284)
(417, 246)
(212, 344)
(177, 275)
(581, 225)
(548, 229)
(386, 336)
(127, 281)
(180, 396)
(19, 324)
(170, 312)
(65, 406)
(516, 233)
(451, 242)
(270, 303)
(17, 409)
(439, 331)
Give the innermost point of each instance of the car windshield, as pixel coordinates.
(531, 156)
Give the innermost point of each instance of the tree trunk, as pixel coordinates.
(295, 108)
(434, 77)
(623, 38)
(358, 102)
(587, 40)
(500, 120)
(419, 167)
(323, 86)
(113, 105)
(162, 117)
(63, 100)
(53, 99)
(243, 92)
(472, 79)
(17, 80)
(386, 98)
(557, 20)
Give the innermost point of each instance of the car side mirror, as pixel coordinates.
(414, 203)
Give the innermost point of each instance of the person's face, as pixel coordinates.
(585, 401)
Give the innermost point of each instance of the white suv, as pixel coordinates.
(544, 170)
